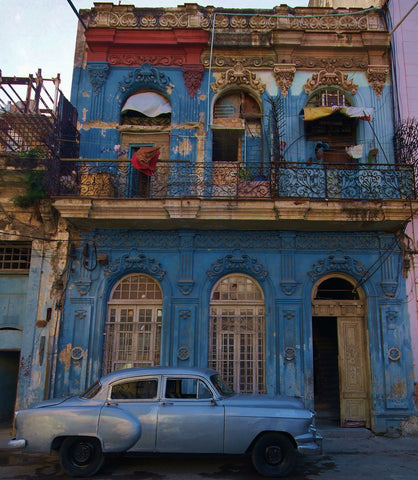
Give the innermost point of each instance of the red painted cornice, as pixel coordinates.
(110, 43)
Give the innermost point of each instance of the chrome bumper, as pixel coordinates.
(16, 444)
(310, 443)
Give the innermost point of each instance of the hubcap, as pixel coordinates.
(82, 453)
(274, 454)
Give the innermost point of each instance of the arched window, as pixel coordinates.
(146, 108)
(237, 333)
(237, 129)
(327, 122)
(133, 325)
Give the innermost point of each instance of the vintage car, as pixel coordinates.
(168, 410)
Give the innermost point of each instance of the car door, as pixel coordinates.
(137, 397)
(189, 419)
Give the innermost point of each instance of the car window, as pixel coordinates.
(92, 391)
(221, 386)
(135, 389)
(187, 388)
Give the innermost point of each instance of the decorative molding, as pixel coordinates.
(183, 352)
(77, 353)
(144, 77)
(394, 354)
(139, 262)
(289, 354)
(377, 76)
(98, 72)
(225, 61)
(239, 77)
(336, 263)
(127, 16)
(284, 74)
(321, 63)
(289, 287)
(193, 76)
(185, 286)
(83, 286)
(330, 78)
(138, 60)
(237, 262)
(389, 288)
(80, 315)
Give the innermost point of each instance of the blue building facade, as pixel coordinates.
(237, 204)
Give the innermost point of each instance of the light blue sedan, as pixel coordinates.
(168, 410)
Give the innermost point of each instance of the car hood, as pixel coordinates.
(261, 401)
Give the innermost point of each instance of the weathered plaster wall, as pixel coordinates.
(285, 264)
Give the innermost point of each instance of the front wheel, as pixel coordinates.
(81, 456)
(274, 455)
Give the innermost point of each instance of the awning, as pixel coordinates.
(314, 113)
(149, 103)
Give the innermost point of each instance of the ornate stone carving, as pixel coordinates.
(183, 353)
(138, 262)
(394, 354)
(83, 286)
(284, 74)
(330, 78)
(239, 77)
(98, 73)
(336, 263)
(289, 287)
(377, 76)
(125, 16)
(237, 262)
(346, 63)
(193, 75)
(389, 288)
(137, 60)
(145, 77)
(185, 286)
(253, 62)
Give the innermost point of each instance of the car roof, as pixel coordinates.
(158, 370)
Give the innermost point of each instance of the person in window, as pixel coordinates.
(320, 148)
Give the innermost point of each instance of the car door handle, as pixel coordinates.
(111, 404)
(165, 404)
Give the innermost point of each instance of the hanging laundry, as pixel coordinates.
(355, 151)
(145, 159)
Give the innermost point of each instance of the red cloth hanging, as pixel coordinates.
(145, 159)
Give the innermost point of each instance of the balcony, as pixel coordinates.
(227, 180)
(218, 196)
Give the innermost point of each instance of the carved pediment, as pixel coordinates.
(238, 76)
(330, 78)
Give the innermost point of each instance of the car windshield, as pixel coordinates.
(92, 391)
(221, 386)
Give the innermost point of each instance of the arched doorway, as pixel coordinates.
(341, 360)
(133, 324)
(237, 333)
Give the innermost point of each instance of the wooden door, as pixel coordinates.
(353, 372)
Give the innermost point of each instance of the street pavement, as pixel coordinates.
(348, 454)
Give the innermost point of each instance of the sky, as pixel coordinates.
(41, 33)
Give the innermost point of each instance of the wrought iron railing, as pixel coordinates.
(229, 180)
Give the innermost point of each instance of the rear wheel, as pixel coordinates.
(81, 456)
(274, 455)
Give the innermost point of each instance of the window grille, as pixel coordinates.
(133, 326)
(237, 333)
(15, 257)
